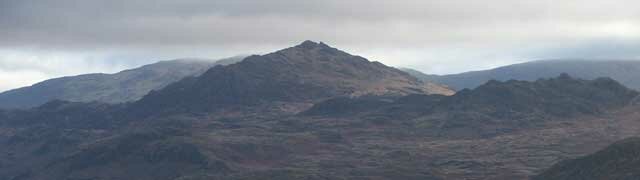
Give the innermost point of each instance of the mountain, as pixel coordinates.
(314, 112)
(124, 86)
(78, 140)
(623, 71)
(306, 73)
(618, 161)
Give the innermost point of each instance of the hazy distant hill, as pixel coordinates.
(624, 71)
(124, 86)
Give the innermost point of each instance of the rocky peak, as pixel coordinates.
(312, 45)
(312, 52)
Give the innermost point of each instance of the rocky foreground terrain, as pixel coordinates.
(616, 162)
(315, 112)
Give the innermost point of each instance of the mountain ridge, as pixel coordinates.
(124, 86)
(492, 108)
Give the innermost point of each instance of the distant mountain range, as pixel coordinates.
(125, 86)
(133, 84)
(314, 112)
(624, 71)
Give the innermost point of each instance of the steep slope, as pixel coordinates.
(623, 71)
(305, 73)
(128, 85)
(617, 162)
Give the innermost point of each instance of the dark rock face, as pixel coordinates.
(617, 162)
(124, 86)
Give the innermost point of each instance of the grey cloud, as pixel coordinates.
(116, 23)
(603, 49)
(440, 36)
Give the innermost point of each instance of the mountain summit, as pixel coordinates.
(307, 72)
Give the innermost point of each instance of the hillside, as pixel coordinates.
(125, 86)
(492, 108)
(360, 137)
(343, 118)
(623, 71)
(616, 162)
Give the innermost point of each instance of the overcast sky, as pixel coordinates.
(41, 39)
